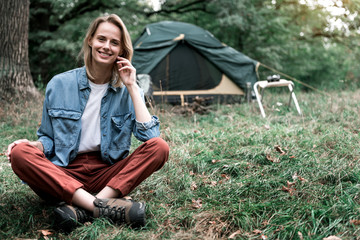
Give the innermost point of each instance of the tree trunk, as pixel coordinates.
(15, 78)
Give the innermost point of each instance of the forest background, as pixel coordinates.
(314, 41)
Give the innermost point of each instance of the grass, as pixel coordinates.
(231, 174)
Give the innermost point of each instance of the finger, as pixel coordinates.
(8, 153)
(126, 68)
(9, 149)
(12, 145)
(124, 61)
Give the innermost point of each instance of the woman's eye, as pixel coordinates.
(115, 43)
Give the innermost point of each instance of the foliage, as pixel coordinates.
(231, 174)
(294, 37)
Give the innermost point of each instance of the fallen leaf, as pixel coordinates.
(278, 149)
(292, 157)
(290, 184)
(193, 186)
(270, 158)
(225, 176)
(301, 237)
(213, 183)
(257, 231)
(45, 232)
(267, 127)
(355, 221)
(289, 190)
(233, 235)
(332, 238)
(196, 203)
(215, 161)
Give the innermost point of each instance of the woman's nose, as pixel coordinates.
(107, 44)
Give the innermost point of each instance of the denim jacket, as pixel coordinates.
(65, 101)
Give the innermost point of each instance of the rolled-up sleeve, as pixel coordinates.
(146, 130)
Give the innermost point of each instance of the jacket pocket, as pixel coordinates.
(66, 126)
(121, 130)
(119, 121)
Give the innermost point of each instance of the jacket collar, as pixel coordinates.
(84, 82)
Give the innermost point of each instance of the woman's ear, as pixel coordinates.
(90, 42)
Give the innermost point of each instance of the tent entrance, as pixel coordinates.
(184, 68)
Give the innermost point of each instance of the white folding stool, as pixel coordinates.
(279, 83)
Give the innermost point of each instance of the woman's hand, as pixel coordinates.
(12, 145)
(127, 72)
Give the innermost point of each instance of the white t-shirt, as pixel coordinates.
(90, 121)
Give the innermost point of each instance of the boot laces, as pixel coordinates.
(116, 214)
(82, 215)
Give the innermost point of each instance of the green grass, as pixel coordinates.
(224, 176)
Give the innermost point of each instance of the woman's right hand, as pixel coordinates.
(12, 145)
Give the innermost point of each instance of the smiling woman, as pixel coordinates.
(89, 116)
(105, 48)
(106, 36)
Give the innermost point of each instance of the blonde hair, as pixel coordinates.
(125, 42)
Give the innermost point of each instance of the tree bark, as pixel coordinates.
(15, 77)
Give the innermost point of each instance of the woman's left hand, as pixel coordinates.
(127, 72)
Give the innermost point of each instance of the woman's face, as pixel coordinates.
(105, 44)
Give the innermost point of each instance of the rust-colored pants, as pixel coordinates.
(86, 171)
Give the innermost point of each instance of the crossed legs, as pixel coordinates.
(87, 174)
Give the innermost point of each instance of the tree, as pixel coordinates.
(15, 78)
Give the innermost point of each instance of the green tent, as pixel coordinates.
(185, 60)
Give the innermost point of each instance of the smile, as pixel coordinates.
(104, 54)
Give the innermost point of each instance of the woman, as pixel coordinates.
(82, 154)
